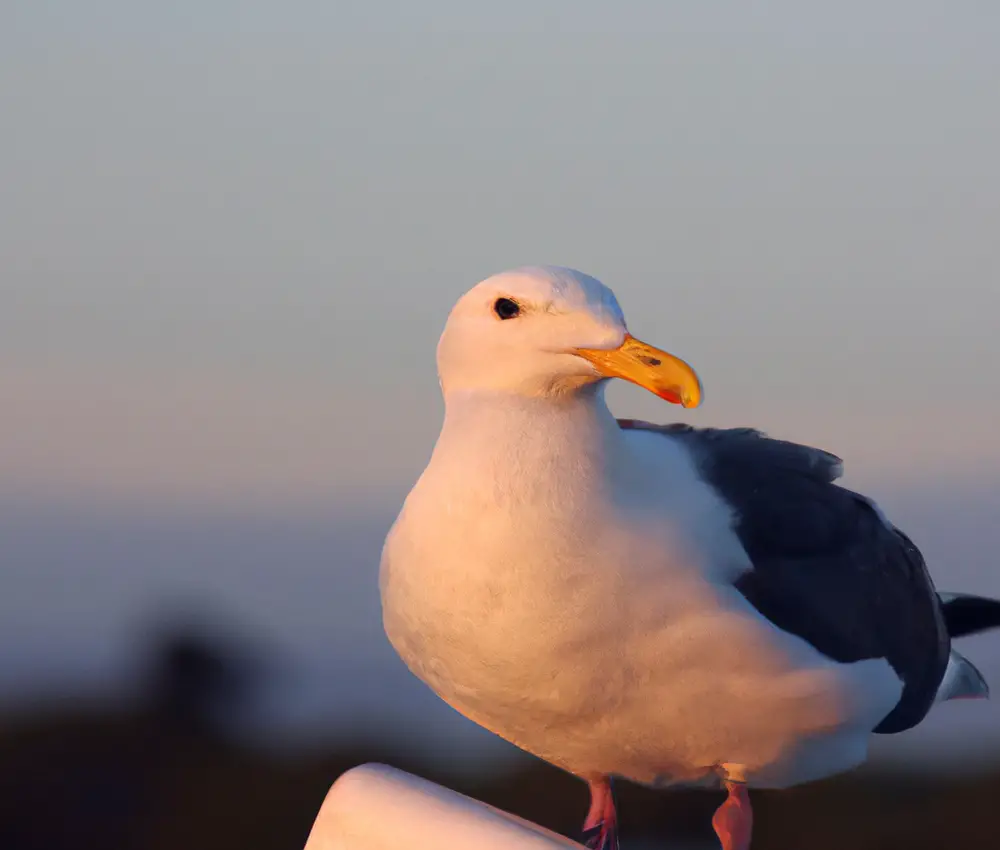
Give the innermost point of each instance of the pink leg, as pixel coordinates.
(600, 830)
(733, 821)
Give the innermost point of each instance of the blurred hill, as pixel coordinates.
(161, 770)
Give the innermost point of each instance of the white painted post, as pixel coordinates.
(375, 807)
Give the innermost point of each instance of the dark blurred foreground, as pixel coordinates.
(161, 772)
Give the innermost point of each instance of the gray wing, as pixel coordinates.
(827, 566)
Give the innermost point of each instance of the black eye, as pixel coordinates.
(505, 308)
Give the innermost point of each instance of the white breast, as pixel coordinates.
(567, 585)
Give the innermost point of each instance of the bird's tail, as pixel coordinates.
(965, 614)
(962, 681)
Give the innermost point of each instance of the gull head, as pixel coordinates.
(550, 331)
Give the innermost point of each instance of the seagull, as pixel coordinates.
(665, 604)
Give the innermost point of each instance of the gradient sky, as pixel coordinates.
(231, 231)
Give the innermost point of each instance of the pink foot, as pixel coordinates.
(600, 830)
(733, 821)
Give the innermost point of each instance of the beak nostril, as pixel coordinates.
(658, 371)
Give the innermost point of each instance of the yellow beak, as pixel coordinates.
(663, 374)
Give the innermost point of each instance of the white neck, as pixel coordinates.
(527, 436)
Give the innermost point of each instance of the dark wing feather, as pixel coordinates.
(827, 567)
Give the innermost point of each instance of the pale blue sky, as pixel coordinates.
(803, 200)
(230, 233)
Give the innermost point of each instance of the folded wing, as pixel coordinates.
(827, 566)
